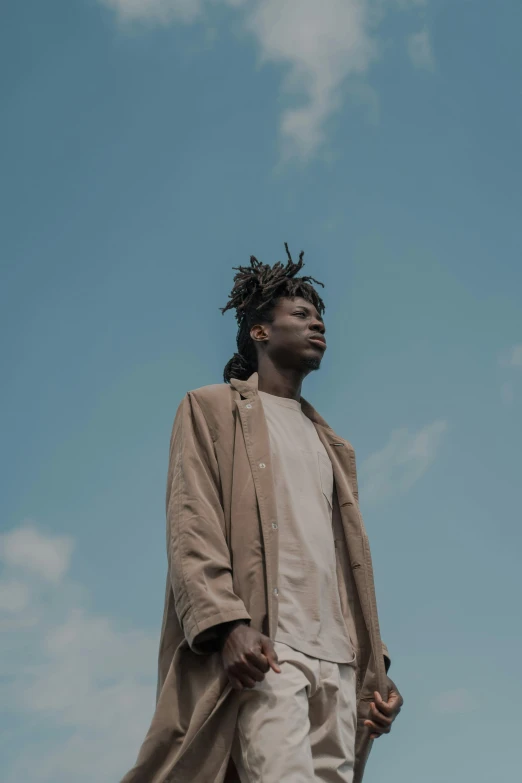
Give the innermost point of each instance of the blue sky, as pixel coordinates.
(149, 147)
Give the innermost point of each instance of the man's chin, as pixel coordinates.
(312, 363)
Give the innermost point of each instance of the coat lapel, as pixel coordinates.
(342, 457)
(257, 442)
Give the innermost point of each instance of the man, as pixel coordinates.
(271, 660)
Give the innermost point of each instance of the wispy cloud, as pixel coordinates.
(86, 683)
(396, 467)
(14, 596)
(27, 549)
(456, 701)
(514, 358)
(319, 44)
(420, 50)
(159, 11)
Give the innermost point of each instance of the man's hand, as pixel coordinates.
(383, 713)
(247, 656)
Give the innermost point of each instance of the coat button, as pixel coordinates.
(262, 465)
(276, 591)
(248, 406)
(274, 525)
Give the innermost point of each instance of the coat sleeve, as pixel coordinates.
(387, 659)
(198, 555)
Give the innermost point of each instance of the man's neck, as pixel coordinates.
(280, 383)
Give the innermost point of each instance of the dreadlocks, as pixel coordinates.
(255, 293)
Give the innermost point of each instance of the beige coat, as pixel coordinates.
(223, 565)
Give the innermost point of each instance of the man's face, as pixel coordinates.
(295, 338)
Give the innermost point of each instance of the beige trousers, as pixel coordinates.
(298, 726)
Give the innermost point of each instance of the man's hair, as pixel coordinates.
(254, 296)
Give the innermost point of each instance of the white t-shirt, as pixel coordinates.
(310, 616)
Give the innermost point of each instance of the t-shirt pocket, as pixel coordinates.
(326, 476)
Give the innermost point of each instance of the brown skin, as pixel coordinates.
(287, 351)
(383, 713)
(247, 655)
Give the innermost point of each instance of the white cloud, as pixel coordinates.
(85, 684)
(420, 50)
(45, 556)
(14, 596)
(457, 701)
(159, 11)
(396, 467)
(515, 357)
(320, 45)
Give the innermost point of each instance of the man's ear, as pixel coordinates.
(259, 333)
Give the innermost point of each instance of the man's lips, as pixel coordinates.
(318, 340)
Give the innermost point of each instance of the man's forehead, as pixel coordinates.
(286, 303)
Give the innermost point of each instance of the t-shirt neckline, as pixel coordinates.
(284, 401)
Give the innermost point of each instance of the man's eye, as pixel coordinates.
(301, 313)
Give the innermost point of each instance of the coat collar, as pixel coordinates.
(249, 389)
(246, 388)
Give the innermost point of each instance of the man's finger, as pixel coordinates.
(242, 669)
(377, 728)
(375, 734)
(235, 683)
(258, 660)
(386, 707)
(378, 717)
(271, 655)
(246, 681)
(247, 669)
